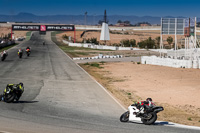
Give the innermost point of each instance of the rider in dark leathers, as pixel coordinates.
(19, 87)
(144, 106)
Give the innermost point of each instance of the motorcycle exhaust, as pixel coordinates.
(158, 109)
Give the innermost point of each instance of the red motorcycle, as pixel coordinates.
(28, 52)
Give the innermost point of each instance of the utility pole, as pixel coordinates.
(94, 19)
(85, 27)
(105, 17)
(85, 18)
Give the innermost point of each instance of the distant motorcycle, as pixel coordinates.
(148, 117)
(28, 52)
(20, 53)
(3, 56)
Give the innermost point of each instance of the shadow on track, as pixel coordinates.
(25, 102)
(160, 123)
(7, 61)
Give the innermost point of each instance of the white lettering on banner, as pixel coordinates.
(43, 27)
(16, 27)
(26, 27)
(59, 28)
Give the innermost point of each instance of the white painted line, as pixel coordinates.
(171, 124)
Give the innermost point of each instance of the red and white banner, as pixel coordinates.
(42, 27)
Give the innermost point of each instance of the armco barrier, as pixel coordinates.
(99, 57)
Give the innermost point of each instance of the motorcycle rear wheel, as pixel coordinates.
(125, 117)
(151, 120)
(3, 58)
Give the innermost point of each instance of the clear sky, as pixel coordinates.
(160, 8)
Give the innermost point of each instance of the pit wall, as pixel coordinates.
(176, 63)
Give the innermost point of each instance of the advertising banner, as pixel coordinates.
(26, 27)
(43, 27)
(60, 27)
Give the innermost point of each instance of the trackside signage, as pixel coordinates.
(60, 27)
(26, 27)
(44, 27)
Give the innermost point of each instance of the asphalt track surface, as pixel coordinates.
(60, 97)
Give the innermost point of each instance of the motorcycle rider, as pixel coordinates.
(144, 106)
(28, 48)
(4, 52)
(19, 87)
(20, 51)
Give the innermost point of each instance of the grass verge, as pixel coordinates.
(75, 51)
(28, 35)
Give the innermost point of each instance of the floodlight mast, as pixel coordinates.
(105, 17)
(195, 35)
(85, 27)
(175, 37)
(161, 38)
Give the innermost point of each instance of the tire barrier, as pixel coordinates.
(98, 57)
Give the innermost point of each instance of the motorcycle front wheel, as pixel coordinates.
(124, 117)
(9, 97)
(2, 58)
(151, 118)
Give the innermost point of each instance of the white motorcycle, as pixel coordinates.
(4, 54)
(146, 114)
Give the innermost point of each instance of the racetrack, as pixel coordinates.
(60, 97)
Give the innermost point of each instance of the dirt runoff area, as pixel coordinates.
(177, 89)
